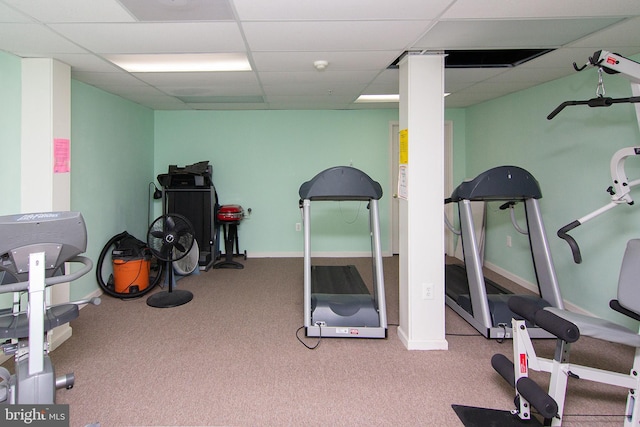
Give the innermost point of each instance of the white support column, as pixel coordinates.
(422, 206)
(46, 133)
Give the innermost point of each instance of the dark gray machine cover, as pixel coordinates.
(499, 183)
(341, 183)
(61, 235)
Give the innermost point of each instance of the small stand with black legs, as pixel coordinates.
(229, 217)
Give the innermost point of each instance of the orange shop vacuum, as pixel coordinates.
(131, 263)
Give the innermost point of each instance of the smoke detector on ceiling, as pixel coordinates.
(320, 65)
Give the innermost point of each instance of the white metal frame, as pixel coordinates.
(561, 369)
(621, 185)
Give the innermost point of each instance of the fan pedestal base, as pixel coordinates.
(168, 299)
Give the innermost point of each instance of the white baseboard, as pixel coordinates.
(300, 254)
(423, 344)
(532, 287)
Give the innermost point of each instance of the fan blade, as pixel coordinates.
(170, 223)
(157, 234)
(179, 247)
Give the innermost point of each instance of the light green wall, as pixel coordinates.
(112, 161)
(260, 159)
(112, 165)
(570, 157)
(10, 104)
(458, 118)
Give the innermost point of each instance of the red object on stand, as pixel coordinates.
(229, 216)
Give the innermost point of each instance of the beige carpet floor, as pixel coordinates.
(231, 357)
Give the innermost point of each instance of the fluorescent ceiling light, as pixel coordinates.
(381, 98)
(378, 98)
(194, 62)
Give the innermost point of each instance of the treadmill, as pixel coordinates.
(337, 302)
(481, 302)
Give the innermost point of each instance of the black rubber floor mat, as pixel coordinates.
(484, 417)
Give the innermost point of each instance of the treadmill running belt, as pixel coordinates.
(337, 279)
(457, 283)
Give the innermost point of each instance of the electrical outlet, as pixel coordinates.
(427, 291)
(508, 241)
(298, 226)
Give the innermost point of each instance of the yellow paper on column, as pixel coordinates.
(404, 147)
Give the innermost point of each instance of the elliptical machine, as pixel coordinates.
(33, 251)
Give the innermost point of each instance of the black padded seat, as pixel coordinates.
(17, 327)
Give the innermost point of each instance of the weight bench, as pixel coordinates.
(568, 327)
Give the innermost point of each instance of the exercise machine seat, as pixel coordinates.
(628, 298)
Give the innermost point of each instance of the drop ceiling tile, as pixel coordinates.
(317, 89)
(208, 91)
(332, 36)
(313, 77)
(86, 62)
(107, 79)
(212, 89)
(73, 10)
(156, 102)
(155, 37)
(454, 87)
(172, 10)
(307, 103)
(388, 76)
(296, 10)
(497, 88)
(34, 40)
(227, 106)
(338, 61)
(466, 75)
(138, 91)
(373, 106)
(199, 79)
(463, 100)
(620, 35)
(8, 14)
(498, 34)
(531, 75)
(524, 77)
(497, 9)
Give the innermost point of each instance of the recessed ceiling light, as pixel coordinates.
(378, 98)
(186, 62)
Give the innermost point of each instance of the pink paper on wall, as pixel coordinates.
(61, 155)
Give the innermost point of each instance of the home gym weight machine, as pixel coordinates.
(337, 302)
(567, 326)
(482, 303)
(33, 251)
(610, 63)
